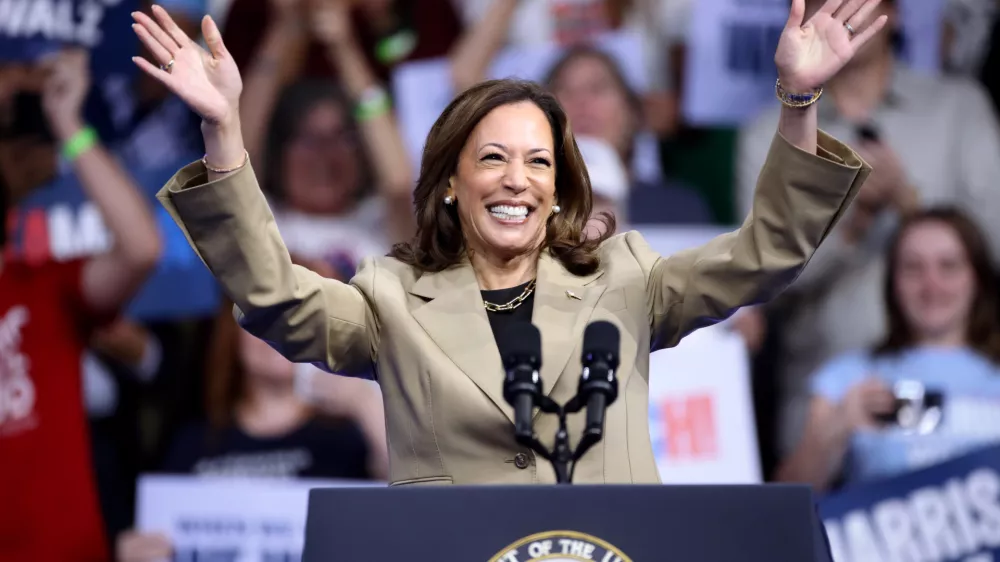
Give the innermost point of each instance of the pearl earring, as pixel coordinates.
(448, 199)
(556, 209)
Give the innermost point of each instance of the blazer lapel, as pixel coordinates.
(564, 304)
(456, 320)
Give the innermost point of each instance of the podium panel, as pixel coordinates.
(773, 523)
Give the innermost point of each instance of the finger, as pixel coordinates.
(866, 35)
(847, 10)
(213, 37)
(796, 15)
(860, 17)
(156, 32)
(171, 27)
(156, 72)
(155, 47)
(830, 7)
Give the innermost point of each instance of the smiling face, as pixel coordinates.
(505, 183)
(935, 281)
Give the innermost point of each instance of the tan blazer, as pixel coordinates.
(427, 338)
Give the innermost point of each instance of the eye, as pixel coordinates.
(493, 156)
(542, 161)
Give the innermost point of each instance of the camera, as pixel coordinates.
(917, 409)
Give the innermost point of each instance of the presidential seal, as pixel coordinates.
(561, 546)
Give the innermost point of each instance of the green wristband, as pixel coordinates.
(82, 141)
(373, 103)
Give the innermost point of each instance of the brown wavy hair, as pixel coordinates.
(439, 243)
(983, 331)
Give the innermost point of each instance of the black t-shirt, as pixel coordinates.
(500, 321)
(320, 448)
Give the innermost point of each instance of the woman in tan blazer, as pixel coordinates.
(501, 206)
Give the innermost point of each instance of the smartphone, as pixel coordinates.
(916, 408)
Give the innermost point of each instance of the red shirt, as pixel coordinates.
(49, 509)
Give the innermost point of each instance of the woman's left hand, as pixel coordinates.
(811, 52)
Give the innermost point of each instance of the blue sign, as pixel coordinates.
(948, 512)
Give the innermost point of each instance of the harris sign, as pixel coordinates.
(946, 513)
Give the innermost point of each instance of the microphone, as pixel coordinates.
(598, 383)
(522, 386)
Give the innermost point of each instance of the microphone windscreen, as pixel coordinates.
(522, 343)
(601, 337)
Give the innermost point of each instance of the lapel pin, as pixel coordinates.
(573, 295)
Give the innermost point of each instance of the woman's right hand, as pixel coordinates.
(208, 81)
(864, 402)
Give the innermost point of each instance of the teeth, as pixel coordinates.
(509, 210)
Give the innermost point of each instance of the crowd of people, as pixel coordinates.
(95, 392)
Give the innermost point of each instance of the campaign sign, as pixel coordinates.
(229, 520)
(701, 421)
(945, 513)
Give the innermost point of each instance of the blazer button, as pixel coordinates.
(521, 460)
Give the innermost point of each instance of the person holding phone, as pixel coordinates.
(928, 390)
(930, 140)
(48, 312)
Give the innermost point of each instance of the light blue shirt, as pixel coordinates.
(971, 409)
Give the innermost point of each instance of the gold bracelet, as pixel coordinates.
(246, 159)
(797, 101)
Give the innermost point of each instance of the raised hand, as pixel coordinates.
(67, 82)
(331, 21)
(208, 81)
(811, 52)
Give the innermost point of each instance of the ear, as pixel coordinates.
(451, 186)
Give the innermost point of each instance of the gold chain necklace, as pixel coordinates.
(514, 303)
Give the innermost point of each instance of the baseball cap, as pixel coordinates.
(608, 178)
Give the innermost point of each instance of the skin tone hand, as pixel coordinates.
(133, 546)
(863, 402)
(207, 80)
(331, 21)
(887, 184)
(811, 52)
(65, 91)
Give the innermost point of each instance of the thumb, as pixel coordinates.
(796, 14)
(213, 37)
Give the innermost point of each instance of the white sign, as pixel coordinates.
(701, 418)
(231, 520)
(730, 59)
(423, 89)
(731, 46)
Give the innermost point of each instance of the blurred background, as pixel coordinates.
(835, 384)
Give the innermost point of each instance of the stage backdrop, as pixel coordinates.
(946, 513)
(701, 417)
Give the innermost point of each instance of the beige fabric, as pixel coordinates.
(429, 340)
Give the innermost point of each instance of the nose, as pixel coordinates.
(515, 177)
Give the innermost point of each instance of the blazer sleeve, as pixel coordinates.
(799, 198)
(304, 316)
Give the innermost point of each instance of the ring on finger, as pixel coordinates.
(850, 29)
(168, 67)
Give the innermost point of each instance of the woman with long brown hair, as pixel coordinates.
(942, 345)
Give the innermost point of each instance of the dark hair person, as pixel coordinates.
(502, 204)
(943, 338)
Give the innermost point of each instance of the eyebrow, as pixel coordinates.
(505, 149)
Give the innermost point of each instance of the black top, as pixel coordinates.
(499, 321)
(320, 448)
